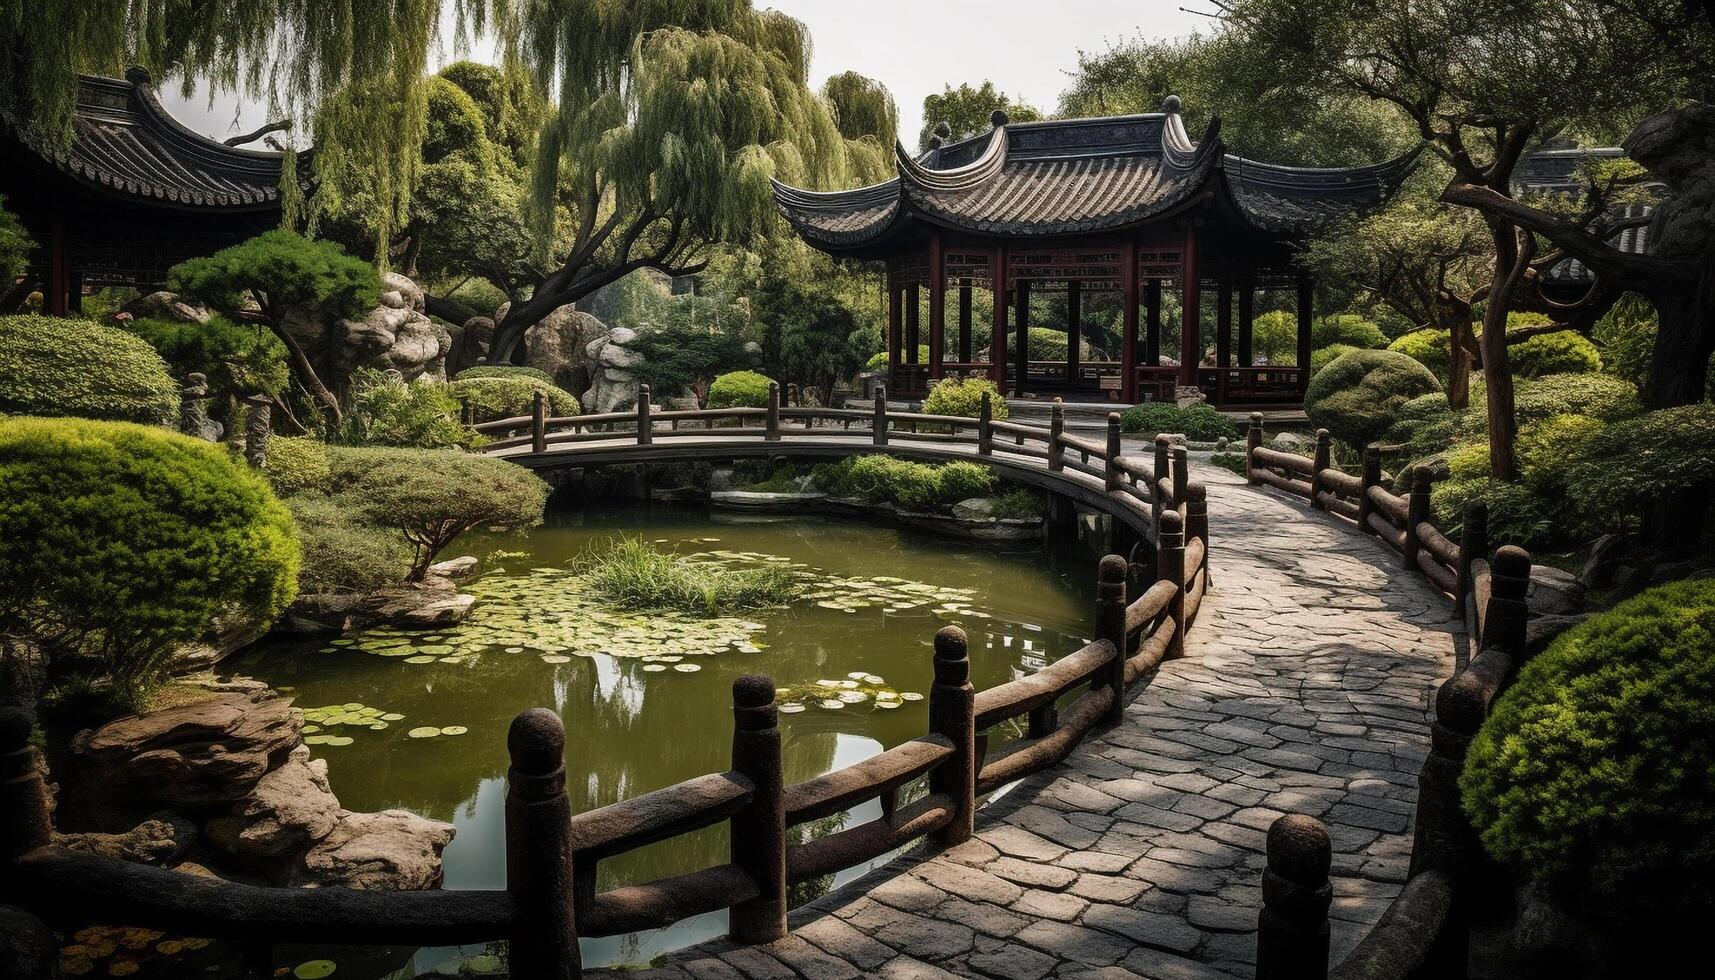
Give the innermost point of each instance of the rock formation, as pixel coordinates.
(226, 786)
(585, 357)
(397, 335)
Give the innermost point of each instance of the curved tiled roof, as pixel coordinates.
(124, 144)
(1074, 176)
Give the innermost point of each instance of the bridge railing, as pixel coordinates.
(1426, 931)
(553, 856)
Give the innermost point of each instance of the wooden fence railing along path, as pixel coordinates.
(552, 854)
(1426, 931)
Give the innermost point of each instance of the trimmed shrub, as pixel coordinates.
(1429, 347)
(1469, 462)
(1349, 329)
(58, 367)
(739, 389)
(912, 486)
(1548, 451)
(237, 360)
(1600, 396)
(432, 496)
(1594, 772)
(1357, 397)
(297, 464)
(953, 396)
(1563, 352)
(1425, 425)
(1198, 422)
(878, 360)
(1274, 335)
(503, 371)
(387, 411)
(1635, 462)
(123, 542)
(1047, 344)
(1321, 357)
(494, 398)
(343, 551)
(1516, 514)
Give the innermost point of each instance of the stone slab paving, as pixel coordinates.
(1305, 688)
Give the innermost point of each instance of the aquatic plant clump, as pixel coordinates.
(631, 573)
(856, 690)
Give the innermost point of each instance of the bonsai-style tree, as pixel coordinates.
(259, 280)
(432, 496)
(124, 541)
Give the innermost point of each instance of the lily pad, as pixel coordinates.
(427, 731)
(314, 970)
(454, 730)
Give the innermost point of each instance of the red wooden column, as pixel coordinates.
(893, 328)
(1021, 343)
(1128, 332)
(937, 303)
(997, 335)
(1074, 323)
(1190, 328)
(1223, 335)
(1306, 296)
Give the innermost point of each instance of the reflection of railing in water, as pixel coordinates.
(552, 855)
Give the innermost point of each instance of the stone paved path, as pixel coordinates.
(1305, 688)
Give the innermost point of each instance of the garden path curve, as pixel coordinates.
(1305, 688)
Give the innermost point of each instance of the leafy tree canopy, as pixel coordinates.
(967, 110)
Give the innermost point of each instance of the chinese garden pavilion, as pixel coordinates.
(131, 194)
(1123, 203)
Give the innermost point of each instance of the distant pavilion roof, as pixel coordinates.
(1560, 172)
(125, 146)
(1068, 177)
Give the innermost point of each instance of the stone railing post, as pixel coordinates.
(544, 937)
(985, 422)
(1372, 478)
(759, 828)
(25, 823)
(1110, 626)
(1292, 927)
(1163, 470)
(1170, 567)
(1473, 544)
(1197, 525)
(792, 395)
(1181, 476)
(539, 423)
(258, 425)
(952, 714)
(1323, 459)
(1056, 428)
(1507, 619)
(1111, 458)
(1416, 512)
(1253, 441)
(878, 425)
(771, 425)
(645, 424)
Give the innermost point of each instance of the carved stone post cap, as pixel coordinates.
(1322, 435)
(1299, 849)
(1512, 562)
(1462, 704)
(1476, 510)
(1196, 492)
(537, 741)
(1420, 478)
(950, 643)
(1111, 569)
(752, 691)
(1113, 418)
(1162, 442)
(773, 386)
(14, 729)
(1172, 522)
(1256, 418)
(643, 389)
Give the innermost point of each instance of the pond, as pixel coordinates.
(419, 720)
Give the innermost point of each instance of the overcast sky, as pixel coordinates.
(914, 47)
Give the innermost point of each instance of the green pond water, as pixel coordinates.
(419, 720)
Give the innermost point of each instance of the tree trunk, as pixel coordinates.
(1459, 375)
(305, 371)
(1497, 371)
(1684, 342)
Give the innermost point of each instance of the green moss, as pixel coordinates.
(1357, 397)
(954, 396)
(739, 389)
(1198, 422)
(1596, 770)
(492, 398)
(52, 366)
(123, 541)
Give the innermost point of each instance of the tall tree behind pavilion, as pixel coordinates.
(1483, 86)
(967, 110)
(655, 157)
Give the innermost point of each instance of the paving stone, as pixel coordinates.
(967, 882)
(836, 938)
(1160, 965)
(1075, 943)
(1013, 962)
(1210, 913)
(1031, 874)
(1049, 905)
(709, 968)
(981, 916)
(757, 965)
(1107, 888)
(907, 968)
(927, 938)
(1144, 927)
(908, 894)
(810, 961)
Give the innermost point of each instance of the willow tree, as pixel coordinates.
(1482, 84)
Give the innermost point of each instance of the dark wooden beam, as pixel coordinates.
(913, 314)
(1128, 321)
(1224, 321)
(1190, 325)
(1074, 323)
(894, 313)
(1152, 336)
(1021, 311)
(937, 305)
(997, 330)
(1306, 303)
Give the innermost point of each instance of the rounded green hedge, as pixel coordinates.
(1321, 357)
(1197, 422)
(345, 552)
(124, 541)
(739, 389)
(1599, 396)
(1357, 397)
(878, 360)
(1563, 352)
(52, 366)
(503, 371)
(1634, 462)
(955, 396)
(1429, 347)
(297, 464)
(500, 397)
(1595, 772)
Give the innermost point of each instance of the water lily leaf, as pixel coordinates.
(911, 696)
(424, 732)
(339, 740)
(392, 716)
(419, 660)
(314, 970)
(454, 730)
(687, 668)
(791, 709)
(555, 658)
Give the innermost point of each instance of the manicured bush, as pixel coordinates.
(491, 398)
(1321, 357)
(1274, 335)
(1469, 461)
(432, 496)
(1357, 397)
(387, 411)
(1349, 329)
(1600, 396)
(960, 481)
(739, 389)
(1047, 344)
(503, 371)
(1563, 352)
(297, 464)
(633, 574)
(1198, 422)
(1425, 425)
(56, 367)
(912, 486)
(1595, 773)
(343, 551)
(1548, 451)
(1429, 347)
(122, 542)
(1637, 461)
(1516, 514)
(878, 360)
(238, 360)
(953, 396)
